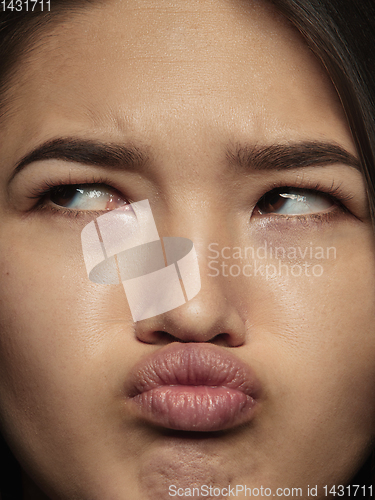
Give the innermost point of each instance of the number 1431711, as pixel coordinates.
(25, 5)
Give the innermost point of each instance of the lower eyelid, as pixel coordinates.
(66, 213)
(307, 221)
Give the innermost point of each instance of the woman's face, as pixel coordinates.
(223, 102)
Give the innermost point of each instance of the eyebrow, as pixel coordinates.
(294, 155)
(85, 151)
(249, 157)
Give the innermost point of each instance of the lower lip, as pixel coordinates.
(195, 408)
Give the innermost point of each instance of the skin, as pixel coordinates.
(183, 82)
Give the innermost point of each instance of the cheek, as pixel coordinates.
(312, 340)
(318, 298)
(57, 332)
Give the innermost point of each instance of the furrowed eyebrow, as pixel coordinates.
(88, 152)
(252, 157)
(287, 156)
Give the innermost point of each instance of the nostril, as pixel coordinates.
(221, 339)
(159, 337)
(162, 337)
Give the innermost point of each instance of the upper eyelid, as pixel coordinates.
(333, 191)
(323, 194)
(91, 186)
(48, 186)
(94, 185)
(293, 179)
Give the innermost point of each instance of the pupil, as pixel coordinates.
(62, 195)
(271, 202)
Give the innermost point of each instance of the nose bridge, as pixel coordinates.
(207, 220)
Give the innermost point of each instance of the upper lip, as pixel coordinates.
(193, 364)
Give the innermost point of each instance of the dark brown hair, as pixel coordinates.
(341, 34)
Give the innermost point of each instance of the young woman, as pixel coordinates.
(248, 126)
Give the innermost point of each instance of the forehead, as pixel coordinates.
(230, 67)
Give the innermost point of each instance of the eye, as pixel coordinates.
(95, 197)
(294, 201)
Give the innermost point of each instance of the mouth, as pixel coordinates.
(194, 387)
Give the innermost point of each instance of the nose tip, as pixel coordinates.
(209, 317)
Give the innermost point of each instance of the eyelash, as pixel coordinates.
(334, 192)
(41, 192)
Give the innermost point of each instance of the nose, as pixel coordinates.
(211, 316)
